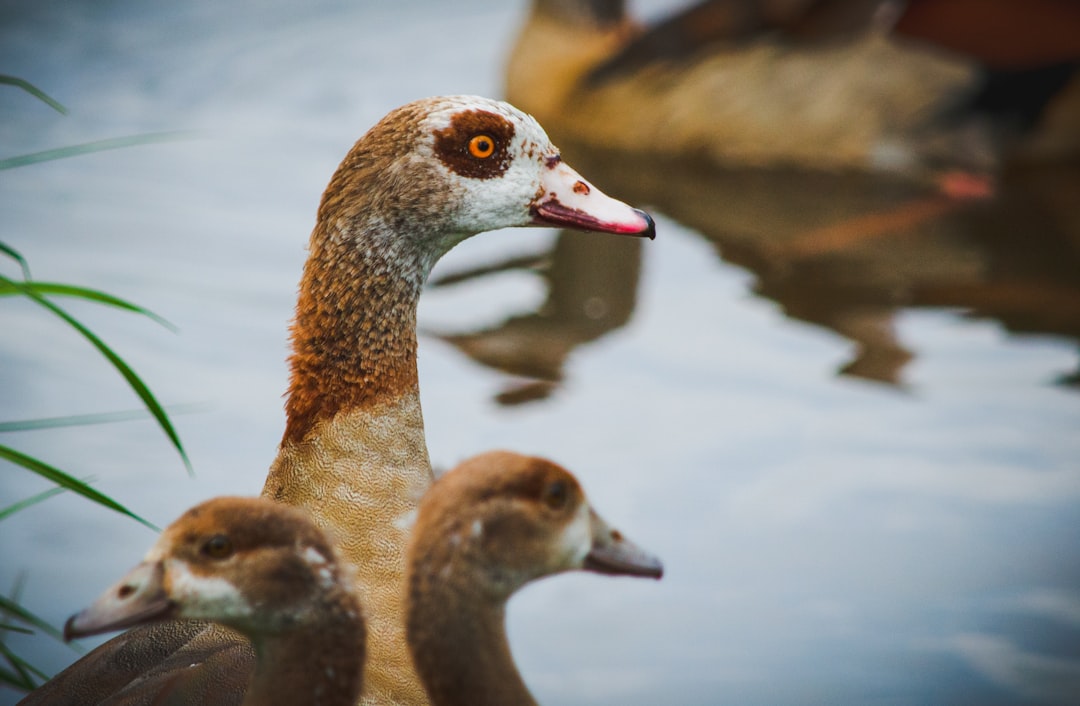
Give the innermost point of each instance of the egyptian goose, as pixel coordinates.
(809, 84)
(484, 530)
(425, 177)
(263, 569)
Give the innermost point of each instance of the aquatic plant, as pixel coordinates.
(15, 671)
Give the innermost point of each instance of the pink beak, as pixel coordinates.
(568, 201)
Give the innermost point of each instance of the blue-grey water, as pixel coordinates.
(906, 532)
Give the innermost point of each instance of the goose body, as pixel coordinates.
(264, 570)
(425, 177)
(484, 530)
(760, 83)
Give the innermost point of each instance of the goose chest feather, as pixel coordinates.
(427, 176)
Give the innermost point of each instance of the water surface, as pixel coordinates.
(861, 493)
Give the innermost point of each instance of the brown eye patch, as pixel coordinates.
(456, 145)
(481, 146)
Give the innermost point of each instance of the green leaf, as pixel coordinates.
(34, 91)
(17, 256)
(19, 680)
(76, 420)
(13, 609)
(133, 380)
(113, 143)
(10, 608)
(32, 500)
(21, 677)
(94, 295)
(65, 480)
(5, 627)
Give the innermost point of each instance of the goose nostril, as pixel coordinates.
(616, 535)
(581, 188)
(125, 591)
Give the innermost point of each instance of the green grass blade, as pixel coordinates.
(7, 627)
(19, 678)
(23, 668)
(113, 143)
(32, 500)
(78, 420)
(17, 257)
(34, 91)
(10, 608)
(13, 609)
(133, 380)
(93, 295)
(65, 480)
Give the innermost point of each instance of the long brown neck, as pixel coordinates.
(319, 664)
(354, 336)
(458, 642)
(354, 453)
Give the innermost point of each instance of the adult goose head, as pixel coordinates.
(484, 530)
(425, 177)
(264, 570)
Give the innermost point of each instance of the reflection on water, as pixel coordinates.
(846, 252)
(591, 290)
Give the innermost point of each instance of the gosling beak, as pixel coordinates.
(138, 598)
(568, 201)
(611, 553)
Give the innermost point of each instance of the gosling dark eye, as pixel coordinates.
(218, 547)
(556, 495)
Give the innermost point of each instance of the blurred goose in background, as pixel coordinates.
(484, 530)
(426, 177)
(834, 85)
(263, 569)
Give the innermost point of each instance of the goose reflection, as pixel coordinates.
(834, 243)
(846, 252)
(591, 291)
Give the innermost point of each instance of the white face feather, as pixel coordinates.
(500, 202)
(204, 596)
(439, 186)
(575, 541)
(320, 565)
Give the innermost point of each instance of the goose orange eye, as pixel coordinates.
(218, 547)
(481, 146)
(556, 495)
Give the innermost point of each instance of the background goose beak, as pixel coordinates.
(138, 597)
(568, 201)
(611, 553)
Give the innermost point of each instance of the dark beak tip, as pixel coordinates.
(650, 231)
(69, 629)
